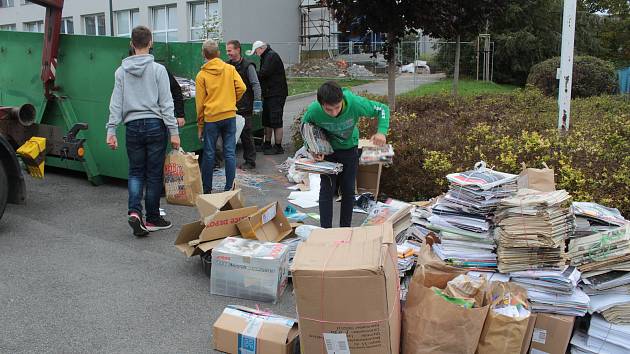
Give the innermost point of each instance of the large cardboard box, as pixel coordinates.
(528, 334)
(346, 287)
(551, 334)
(369, 179)
(219, 214)
(244, 330)
(267, 224)
(249, 269)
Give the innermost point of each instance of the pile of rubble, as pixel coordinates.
(328, 68)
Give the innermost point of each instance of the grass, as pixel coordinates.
(307, 84)
(466, 88)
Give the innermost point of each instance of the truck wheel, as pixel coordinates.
(4, 189)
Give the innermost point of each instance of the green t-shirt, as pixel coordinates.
(342, 131)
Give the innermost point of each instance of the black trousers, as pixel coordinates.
(247, 138)
(346, 181)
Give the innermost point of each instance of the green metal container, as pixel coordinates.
(85, 76)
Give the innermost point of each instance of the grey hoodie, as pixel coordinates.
(141, 90)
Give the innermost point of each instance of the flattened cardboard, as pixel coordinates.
(551, 333)
(346, 281)
(528, 334)
(190, 232)
(274, 230)
(272, 338)
(220, 213)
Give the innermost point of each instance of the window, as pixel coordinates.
(199, 11)
(126, 21)
(25, 2)
(10, 27)
(67, 25)
(37, 26)
(6, 3)
(94, 25)
(164, 19)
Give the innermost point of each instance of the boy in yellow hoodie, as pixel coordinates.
(219, 87)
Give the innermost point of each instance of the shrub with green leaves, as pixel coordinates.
(591, 77)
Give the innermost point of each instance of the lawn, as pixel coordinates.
(307, 84)
(466, 88)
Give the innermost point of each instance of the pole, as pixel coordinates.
(111, 19)
(565, 72)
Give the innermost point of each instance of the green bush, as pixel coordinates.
(591, 77)
(437, 135)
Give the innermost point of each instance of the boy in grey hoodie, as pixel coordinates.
(142, 101)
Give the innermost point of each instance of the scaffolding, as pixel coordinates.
(318, 28)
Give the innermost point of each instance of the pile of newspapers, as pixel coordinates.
(188, 86)
(591, 218)
(602, 337)
(315, 139)
(372, 155)
(463, 217)
(531, 228)
(604, 260)
(321, 167)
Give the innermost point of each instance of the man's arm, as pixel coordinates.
(266, 67)
(373, 109)
(239, 85)
(176, 92)
(200, 97)
(165, 101)
(115, 104)
(253, 79)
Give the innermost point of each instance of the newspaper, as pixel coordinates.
(377, 154)
(320, 167)
(592, 218)
(188, 86)
(315, 139)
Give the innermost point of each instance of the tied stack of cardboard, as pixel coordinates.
(346, 286)
(244, 330)
(219, 214)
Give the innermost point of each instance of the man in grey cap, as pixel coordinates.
(273, 82)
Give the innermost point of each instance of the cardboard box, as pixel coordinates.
(551, 334)
(249, 269)
(267, 224)
(346, 288)
(219, 214)
(528, 334)
(245, 330)
(369, 179)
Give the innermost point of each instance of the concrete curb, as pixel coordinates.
(301, 95)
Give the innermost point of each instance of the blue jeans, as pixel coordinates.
(146, 150)
(211, 131)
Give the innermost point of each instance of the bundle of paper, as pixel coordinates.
(575, 304)
(320, 167)
(372, 154)
(606, 250)
(613, 337)
(556, 282)
(614, 308)
(407, 255)
(315, 139)
(394, 211)
(608, 283)
(582, 343)
(531, 228)
(592, 218)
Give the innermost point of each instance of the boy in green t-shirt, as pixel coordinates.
(337, 112)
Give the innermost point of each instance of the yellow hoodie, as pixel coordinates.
(219, 87)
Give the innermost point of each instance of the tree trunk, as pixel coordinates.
(391, 75)
(456, 71)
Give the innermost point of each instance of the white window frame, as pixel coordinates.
(39, 26)
(166, 12)
(207, 11)
(95, 16)
(25, 2)
(7, 3)
(8, 27)
(64, 25)
(129, 13)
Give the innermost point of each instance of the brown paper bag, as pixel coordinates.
(503, 334)
(433, 325)
(182, 178)
(540, 179)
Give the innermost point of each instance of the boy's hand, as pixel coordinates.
(200, 135)
(112, 142)
(175, 142)
(379, 139)
(318, 157)
(181, 122)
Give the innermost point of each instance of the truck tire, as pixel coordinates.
(4, 189)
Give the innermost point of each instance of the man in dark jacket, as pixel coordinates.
(273, 82)
(250, 103)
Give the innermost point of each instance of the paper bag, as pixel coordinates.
(503, 334)
(182, 178)
(540, 179)
(433, 325)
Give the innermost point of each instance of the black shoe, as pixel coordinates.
(137, 225)
(158, 224)
(278, 149)
(248, 166)
(268, 149)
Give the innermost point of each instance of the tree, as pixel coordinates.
(613, 7)
(395, 18)
(455, 19)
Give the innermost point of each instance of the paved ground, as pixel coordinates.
(74, 279)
